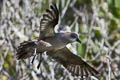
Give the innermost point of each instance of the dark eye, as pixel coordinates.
(73, 35)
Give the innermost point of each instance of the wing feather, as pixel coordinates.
(48, 21)
(73, 63)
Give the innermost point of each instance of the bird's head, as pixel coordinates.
(73, 37)
(68, 37)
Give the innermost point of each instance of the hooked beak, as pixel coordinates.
(78, 40)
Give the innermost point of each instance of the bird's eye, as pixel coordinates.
(73, 35)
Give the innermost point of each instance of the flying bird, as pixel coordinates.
(54, 44)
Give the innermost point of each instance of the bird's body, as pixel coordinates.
(54, 44)
(51, 43)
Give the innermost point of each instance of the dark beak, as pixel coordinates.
(78, 40)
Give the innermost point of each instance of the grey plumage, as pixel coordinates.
(55, 45)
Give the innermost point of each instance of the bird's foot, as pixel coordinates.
(34, 56)
(38, 66)
(33, 59)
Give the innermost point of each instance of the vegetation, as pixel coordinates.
(96, 21)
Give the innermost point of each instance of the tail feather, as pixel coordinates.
(26, 49)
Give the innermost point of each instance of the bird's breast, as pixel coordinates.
(50, 44)
(56, 43)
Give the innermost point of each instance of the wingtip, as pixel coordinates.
(52, 4)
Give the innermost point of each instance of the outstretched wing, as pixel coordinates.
(48, 22)
(73, 63)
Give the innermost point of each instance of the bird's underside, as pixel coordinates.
(72, 62)
(55, 45)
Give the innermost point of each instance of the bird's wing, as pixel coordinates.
(73, 63)
(48, 21)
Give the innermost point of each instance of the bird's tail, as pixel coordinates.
(26, 49)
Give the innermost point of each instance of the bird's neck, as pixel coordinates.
(62, 37)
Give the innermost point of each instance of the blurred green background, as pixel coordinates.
(96, 21)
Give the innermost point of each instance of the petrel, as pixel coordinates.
(54, 44)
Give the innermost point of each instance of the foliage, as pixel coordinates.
(96, 21)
